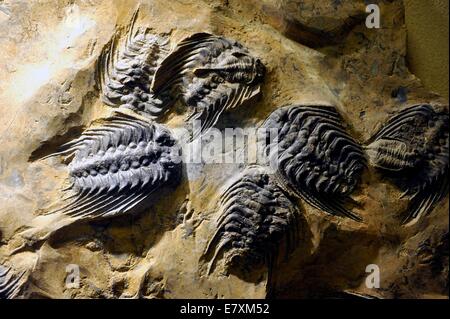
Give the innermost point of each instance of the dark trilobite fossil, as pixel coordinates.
(10, 282)
(412, 149)
(125, 75)
(209, 74)
(116, 166)
(255, 219)
(314, 157)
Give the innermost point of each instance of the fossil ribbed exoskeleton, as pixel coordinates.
(116, 166)
(314, 157)
(412, 148)
(255, 219)
(209, 74)
(10, 282)
(125, 75)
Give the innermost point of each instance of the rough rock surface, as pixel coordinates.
(315, 52)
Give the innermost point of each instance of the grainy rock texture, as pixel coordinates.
(314, 52)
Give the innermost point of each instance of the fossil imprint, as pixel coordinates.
(10, 282)
(118, 165)
(209, 74)
(314, 157)
(255, 219)
(412, 149)
(115, 167)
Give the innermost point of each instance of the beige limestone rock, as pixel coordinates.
(314, 51)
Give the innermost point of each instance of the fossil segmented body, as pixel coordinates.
(125, 76)
(10, 282)
(255, 219)
(314, 157)
(209, 74)
(118, 165)
(413, 148)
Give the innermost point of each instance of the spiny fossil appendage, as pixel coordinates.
(10, 282)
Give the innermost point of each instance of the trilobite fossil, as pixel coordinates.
(314, 157)
(255, 219)
(125, 75)
(10, 282)
(412, 149)
(209, 74)
(118, 165)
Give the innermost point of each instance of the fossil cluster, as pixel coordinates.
(207, 74)
(120, 164)
(117, 165)
(314, 158)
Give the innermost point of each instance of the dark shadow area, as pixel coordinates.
(310, 36)
(337, 265)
